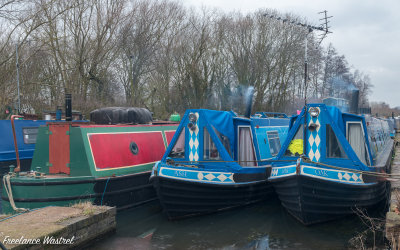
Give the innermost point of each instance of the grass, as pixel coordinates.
(87, 207)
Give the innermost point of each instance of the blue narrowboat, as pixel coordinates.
(216, 161)
(342, 167)
(26, 132)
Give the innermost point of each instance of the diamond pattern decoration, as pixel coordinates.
(352, 177)
(200, 176)
(311, 140)
(222, 177)
(346, 176)
(194, 142)
(317, 155)
(314, 139)
(317, 140)
(191, 143)
(311, 154)
(209, 176)
(191, 156)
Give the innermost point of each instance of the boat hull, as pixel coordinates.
(181, 198)
(312, 200)
(123, 191)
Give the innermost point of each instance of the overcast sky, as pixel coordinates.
(366, 32)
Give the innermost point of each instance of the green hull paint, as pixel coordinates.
(93, 184)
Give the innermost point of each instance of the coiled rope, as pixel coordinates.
(7, 187)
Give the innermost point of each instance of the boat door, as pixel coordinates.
(246, 151)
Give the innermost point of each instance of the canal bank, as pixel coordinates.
(393, 216)
(57, 227)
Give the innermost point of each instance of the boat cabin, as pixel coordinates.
(336, 138)
(208, 137)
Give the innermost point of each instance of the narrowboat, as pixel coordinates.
(26, 132)
(216, 161)
(103, 164)
(332, 163)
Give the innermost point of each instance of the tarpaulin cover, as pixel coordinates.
(336, 115)
(222, 121)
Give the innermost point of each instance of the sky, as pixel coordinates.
(366, 32)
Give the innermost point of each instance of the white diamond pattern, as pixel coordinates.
(340, 176)
(196, 143)
(317, 154)
(191, 143)
(311, 154)
(317, 140)
(347, 176)
(191, 156)
(354, 177)
(196, 157)
(311, 140)
(210, 177)
(200, 176)
(222, 177)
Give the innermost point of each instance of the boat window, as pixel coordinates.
(333, 147)
(178, 150)
(295, 147)
(225, 141)
(247, 156)
(274, 142)
(30, 134)
(210, 150)
(355, 136)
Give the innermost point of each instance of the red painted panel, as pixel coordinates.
(59, 149)
(169, 135)
(113, 150)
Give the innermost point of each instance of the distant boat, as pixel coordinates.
(339, 169)
(217, 161)
(102, 164)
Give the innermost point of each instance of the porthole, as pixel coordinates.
(134, 148)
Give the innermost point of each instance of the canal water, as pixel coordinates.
(261, 226)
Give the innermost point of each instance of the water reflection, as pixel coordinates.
(261, 226)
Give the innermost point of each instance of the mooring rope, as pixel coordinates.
(7, 187)
(105, 188)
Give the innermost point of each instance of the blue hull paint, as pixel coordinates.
(312, 199)
(224, 164)
(336, 173)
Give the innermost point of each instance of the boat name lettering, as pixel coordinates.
(285, 171)
(321, 172)
(180, 173)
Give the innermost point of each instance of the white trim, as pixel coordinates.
(330, 179)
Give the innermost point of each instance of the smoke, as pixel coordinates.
(242, 99)
(339, 87)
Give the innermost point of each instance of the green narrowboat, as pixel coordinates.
(73, 162)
